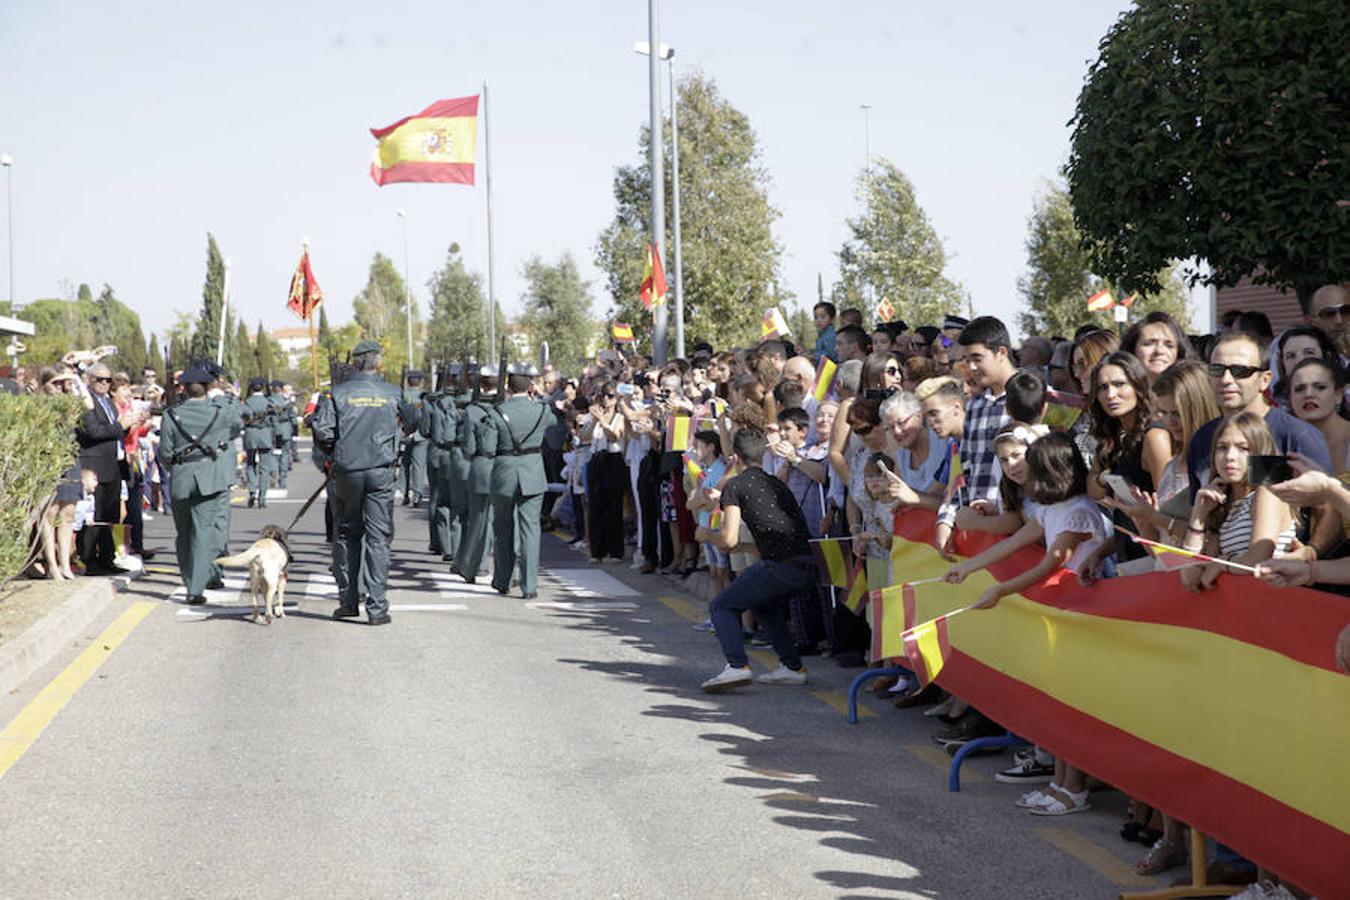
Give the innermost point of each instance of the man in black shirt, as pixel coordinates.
(786, 567)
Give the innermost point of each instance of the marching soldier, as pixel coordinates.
(360, 425)
(514, 436)
(228, 463)
(283, 426)
(259, 441)
(439, 420)
(455, 478)
(415, 452)
(478, 484)
(194, 436)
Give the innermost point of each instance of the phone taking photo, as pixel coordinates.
(1268, 469)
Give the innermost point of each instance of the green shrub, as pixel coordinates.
(37, 446)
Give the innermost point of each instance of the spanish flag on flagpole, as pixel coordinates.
(437, 145)
(622, 333)
(653, 280)
(1101, 301)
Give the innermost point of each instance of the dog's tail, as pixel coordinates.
(239, 560)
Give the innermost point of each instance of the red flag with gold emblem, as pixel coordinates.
(305, 291)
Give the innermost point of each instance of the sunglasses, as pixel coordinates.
(102, 380)
(892, 370)
(1327, 313)
(1216, 370)
(610, 396)
(863, 430)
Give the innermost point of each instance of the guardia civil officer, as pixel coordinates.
(227, 463)
(259, 441)
(439, 417)
(415, 451)
(513, 437)
(455, 474)
(284, 422)
(473, 443)
(194, 436)
(360, 425)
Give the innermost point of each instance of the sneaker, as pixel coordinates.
(706, 625)
(730, 677)
(971, 727)
(1026, 771)
(1033, 799)
(782, 675)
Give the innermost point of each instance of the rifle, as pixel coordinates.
(477, 380)
(501, 376)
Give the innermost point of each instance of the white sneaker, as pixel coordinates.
(783, 675)
(730, 677)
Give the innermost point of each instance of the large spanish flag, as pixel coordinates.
(1222, 708)
(437, 144)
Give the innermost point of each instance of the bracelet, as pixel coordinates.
(1190, 527)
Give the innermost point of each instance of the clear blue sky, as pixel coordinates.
(138, 127)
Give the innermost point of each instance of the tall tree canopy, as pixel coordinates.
(558, 310)
(730, 258)
(1059, 276)
(458, 317)
(206, 337)
(892, 251)
(1215, 129)
(381, 311)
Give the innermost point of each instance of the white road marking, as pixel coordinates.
(582, 606)
(426, 607)
(589, 583)
(320, 585)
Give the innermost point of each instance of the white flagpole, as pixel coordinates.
(492, 266)
(224, 308)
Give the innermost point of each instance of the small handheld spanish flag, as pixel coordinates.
(773, 325)
(1101, 301)
(825, 372)
(927, 648)
(832, 560)
(622, 332)
(956, 478)
(885, 310)
(692, 468)
(677, 434)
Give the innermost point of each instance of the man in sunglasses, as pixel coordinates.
(100, 434)
(1329, 310)
(1240, 373)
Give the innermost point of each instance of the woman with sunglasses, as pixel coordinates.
(606, 476)
(881, 372)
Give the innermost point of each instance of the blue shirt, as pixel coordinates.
(825, 343)
(1292, 435)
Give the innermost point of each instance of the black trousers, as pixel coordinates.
(96, 541)
(656, 546)
(606, 479)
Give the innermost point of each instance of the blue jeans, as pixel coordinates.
(764, 589)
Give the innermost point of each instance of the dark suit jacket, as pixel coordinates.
(98, 437)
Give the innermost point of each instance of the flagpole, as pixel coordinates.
(313, 348)
(658, 179)
(224, 308)
(492, 264)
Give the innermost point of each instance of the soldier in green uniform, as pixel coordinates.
(284, 422)
(439, 417)
(473, 444)
(258, 442)
(455, 475)
(415, 446)
(194, 436)
(513, 436)
(359, 426)
(228, 463)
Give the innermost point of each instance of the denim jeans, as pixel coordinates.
(764, 589)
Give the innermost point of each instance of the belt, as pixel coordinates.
(447, 445)
(526, 451)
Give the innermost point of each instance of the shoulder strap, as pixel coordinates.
(195, 443)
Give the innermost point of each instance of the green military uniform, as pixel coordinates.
(194, 437)
(473, 443)
(359, 425)
(284, 423)
(259, 441)
(439, 417)
(415, 446)
(228, 462)
(332, 518)
(514, 436)
(455, 480)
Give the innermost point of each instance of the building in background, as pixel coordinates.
(294, 342)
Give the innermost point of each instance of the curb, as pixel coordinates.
(49, 635)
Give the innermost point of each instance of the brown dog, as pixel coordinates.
(267, 561)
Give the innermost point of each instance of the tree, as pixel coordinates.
(206, 338)
(248, 358)
(893, 251)
(60, 326)
(1059, 276)
(381, 312)
(1215, 129)
(154, 359)
(117, 324)
(179, 342)
(730, 258)
(558, 310)
(327, 349)
(457, 312)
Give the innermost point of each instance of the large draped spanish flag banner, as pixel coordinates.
(437, 144)
(1222, 708)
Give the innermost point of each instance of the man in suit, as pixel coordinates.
(194, 436)
(473, 441)
(513, 437)
(100, 435)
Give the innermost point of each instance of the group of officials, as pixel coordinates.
(484, 473)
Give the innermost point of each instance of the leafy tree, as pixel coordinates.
(84, 293)
(327, 349)
(268, 359)
(381, 312)
(1059, 276)
(730, 257)
(893, 251)
(116, 323)
(248, 358)
(206, 337)
(558, 310)
(60, 326)
(154, 358)
(180, 342)
(457, 312)
(802, 324)
(1215, 129)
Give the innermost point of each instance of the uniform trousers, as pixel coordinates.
(515, 523)
(197, 520)
(366, 504)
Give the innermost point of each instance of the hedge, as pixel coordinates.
(37, 446)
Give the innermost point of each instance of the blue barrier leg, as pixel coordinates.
(862, 679)
(954, 773)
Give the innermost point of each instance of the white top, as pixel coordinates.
(1174, 479)
(922, 478)
(600, 442)
(1075, 514)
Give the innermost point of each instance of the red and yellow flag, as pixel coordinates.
(825, 371)
(832, 560)
(956, 478)
(927, 648)
(305, 291)
(885, 310)
(653, 280)
(622, 332)
(438, 145)
(773, 325)
(692, 468)
(678, 432)
(1101, 301)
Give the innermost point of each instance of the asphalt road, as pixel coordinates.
(484, 747)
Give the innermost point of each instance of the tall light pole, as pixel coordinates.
(658, 223)
(407, 285)
(668, 54)
(867, 136)
(8, 162)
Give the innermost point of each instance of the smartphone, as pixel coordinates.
(877, 393)
(1120, 487)
(1268, 469)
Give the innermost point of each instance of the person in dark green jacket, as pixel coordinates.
(259, 441)
(473, 442)
(513, 437)
(284, 422)
(194, 436)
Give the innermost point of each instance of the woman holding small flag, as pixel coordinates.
(606, 476)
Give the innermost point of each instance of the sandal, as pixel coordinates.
(1058, 807)
(1163, 855)
(1034, 798)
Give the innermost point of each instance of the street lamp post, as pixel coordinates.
(658, 223)
(668, 54)
(8, 162)
(407, 285)
(867, 137)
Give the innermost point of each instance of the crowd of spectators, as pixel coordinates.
(1232, 443)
